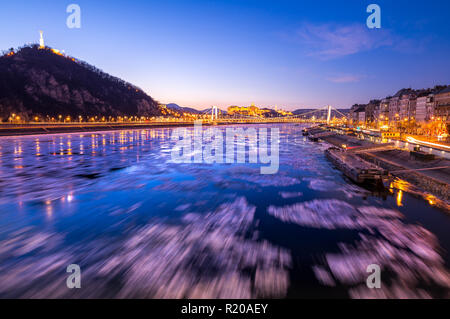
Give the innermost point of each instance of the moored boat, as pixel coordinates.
(355, 168)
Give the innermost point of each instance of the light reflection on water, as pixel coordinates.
(140, 226)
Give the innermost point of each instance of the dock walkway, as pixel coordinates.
(431, 176)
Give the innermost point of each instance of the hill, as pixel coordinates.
(46, 83)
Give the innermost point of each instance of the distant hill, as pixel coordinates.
(43, 82)
(209, 110)
(181, 109)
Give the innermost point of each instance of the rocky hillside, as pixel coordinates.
(42, 82)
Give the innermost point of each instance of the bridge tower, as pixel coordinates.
(214, 113)
(328, 114)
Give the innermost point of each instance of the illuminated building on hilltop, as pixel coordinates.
(284, 113)
(442, 106)
(255, 111)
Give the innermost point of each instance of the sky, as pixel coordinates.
(290, 54)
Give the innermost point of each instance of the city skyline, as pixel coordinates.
(223, 154)
(238, 53)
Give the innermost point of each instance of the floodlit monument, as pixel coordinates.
(41, 40)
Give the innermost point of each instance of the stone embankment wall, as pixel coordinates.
(422, 181)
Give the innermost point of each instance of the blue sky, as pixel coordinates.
(293, 54)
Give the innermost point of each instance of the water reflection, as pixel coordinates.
(141, 226)
(409, 254)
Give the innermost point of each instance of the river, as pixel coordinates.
(141, 226)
